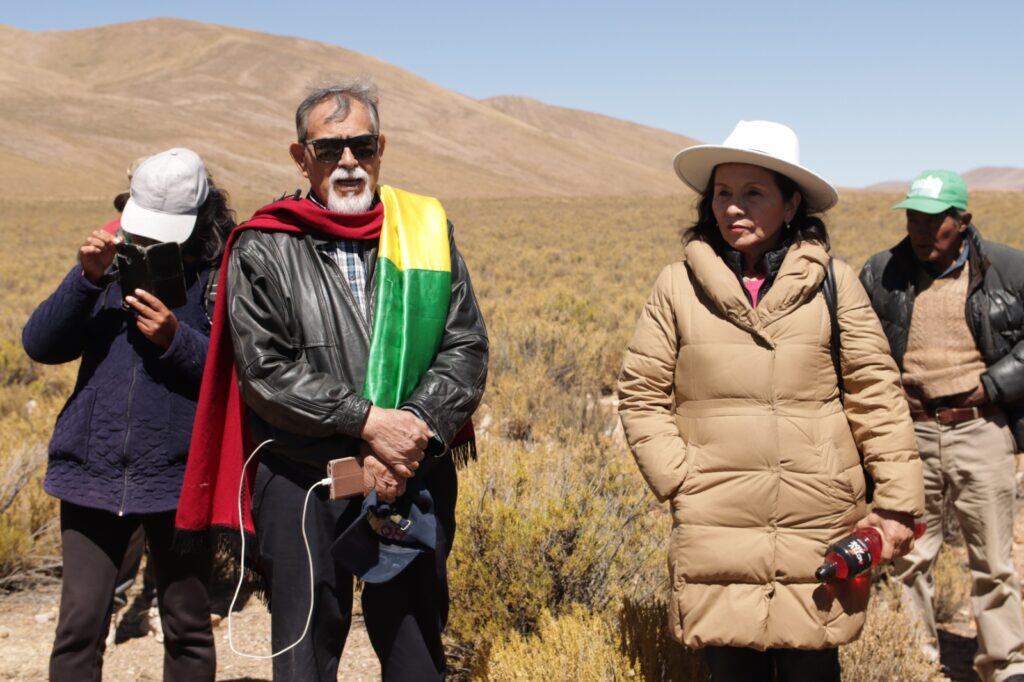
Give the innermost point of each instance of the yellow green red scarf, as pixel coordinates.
(414, 285)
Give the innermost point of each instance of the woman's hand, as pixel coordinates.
(96, 254)
(897, 529)
(156, 322)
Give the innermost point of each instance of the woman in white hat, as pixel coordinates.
(117, 455)
(731, 402)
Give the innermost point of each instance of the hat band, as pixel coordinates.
(393, 527)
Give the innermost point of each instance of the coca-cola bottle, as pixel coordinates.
(858, 552)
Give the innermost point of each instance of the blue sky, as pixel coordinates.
(875, 90)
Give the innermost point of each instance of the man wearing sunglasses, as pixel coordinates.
(354, 332)
(951, 304)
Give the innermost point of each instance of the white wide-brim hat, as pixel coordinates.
(166, 193)
(760, 143)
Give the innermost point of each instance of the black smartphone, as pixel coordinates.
(156, 269)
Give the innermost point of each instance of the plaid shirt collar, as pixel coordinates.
(350, 257)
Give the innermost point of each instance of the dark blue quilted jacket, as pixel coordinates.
(121, 440)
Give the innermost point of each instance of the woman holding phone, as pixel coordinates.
(118, 450)
(731, 403)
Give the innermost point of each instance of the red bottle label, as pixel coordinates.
(856, 553)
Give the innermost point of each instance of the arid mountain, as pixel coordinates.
(79, 106)
(995, 178)
(627, 141)
(888, 186)
(987, 178)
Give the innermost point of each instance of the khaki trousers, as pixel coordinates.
(973, 463)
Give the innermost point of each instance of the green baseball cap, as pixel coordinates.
(935, 191)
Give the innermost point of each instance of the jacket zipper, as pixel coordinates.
(127, 433)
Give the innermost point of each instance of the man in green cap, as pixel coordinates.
(952, 307)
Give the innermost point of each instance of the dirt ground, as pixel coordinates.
(28, 619)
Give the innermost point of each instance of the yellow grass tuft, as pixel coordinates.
(952, 585)
(578, 645)
(890, 646)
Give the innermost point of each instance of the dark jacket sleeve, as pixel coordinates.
(55, 332)
(276, 383)
(187, 353)
(867, 277)
(451, 389)
(1004, 380)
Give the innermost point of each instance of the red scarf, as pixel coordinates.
(220, 444)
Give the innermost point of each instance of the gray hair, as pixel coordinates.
(362, 90)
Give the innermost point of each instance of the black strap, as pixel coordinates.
(836, 346)
(828, 288)
(210, 292)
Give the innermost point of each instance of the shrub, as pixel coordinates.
(29, 541)
(952, 584)
(890, 646)
(542, 528)
(28, 519)
(15, 547)
(951, 533)
(650, 647)
(546, 376)
(578, 645)
(15, 365)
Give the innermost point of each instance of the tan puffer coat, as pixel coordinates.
(733, 414)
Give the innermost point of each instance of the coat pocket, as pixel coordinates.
(689, 469)
(839, 475)
(70, 440)
(676, 501)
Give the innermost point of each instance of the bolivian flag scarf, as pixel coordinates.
(413, 285)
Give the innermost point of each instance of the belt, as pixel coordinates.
(955, 415)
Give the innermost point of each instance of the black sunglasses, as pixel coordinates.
(330, 149)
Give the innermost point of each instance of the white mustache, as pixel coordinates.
(356, 173)
(341, 202)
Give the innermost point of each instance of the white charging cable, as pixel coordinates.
(241, 570)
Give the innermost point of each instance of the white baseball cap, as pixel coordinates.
(166, 192)
(761, 143)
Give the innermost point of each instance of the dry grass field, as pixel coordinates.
(560, 555)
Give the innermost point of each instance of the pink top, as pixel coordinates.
(753, 286)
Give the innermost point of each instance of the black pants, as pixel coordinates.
(774, 665)
(404, 618)
(93, 545)
(129, 569)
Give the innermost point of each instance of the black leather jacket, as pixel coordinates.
(995, 312)
(301, 347)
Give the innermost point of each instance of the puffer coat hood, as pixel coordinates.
(733, 415)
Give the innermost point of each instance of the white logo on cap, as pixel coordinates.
(930, 187)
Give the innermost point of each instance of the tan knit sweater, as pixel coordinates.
(942, 358)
